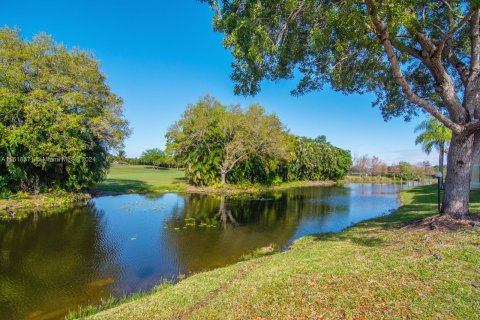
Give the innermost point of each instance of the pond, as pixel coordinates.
(115, 245)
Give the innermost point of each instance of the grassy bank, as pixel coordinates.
(236, 189)
(375, 270)
(22, 203)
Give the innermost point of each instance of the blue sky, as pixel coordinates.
(160, 56)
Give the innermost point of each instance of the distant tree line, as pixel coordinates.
(373, 166)
(216, 143)
(151, 157)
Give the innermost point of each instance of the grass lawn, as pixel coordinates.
(130, 178)
(137, 178)
(375, 270)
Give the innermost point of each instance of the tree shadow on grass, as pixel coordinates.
(181, 180)
(123, 185)
(365, 238)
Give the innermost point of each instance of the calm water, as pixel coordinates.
(50, 264)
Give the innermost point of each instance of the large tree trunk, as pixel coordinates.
(459, 174)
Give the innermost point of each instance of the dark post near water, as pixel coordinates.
(439, 188)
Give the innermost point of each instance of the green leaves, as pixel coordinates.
(433, 134)
(248, 146)
(315, 159)
(336, 43)
(57, 113)
(154, 157)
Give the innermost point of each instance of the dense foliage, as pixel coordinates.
(58, 118)
(415, 56)
(313, 159)
(220, 144)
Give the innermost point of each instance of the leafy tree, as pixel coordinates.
(313, 159)
(416, 56)
(252, 133)
(154, 157)
(320, 139)
(212, 139)
(198, 142)
(410, 172)
(433, 134)
(58, 117)
(219, 143)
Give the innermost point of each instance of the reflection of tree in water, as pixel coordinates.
(288, 206)
(49, 264)
(242, 224)
(225, 214)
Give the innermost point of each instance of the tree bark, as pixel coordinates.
(459, 174)
(223, 173)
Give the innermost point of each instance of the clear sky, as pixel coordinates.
(161, 55)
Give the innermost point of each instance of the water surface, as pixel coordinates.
(52, 263)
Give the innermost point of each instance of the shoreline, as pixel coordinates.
(66, 200)
(9, 208)
(20, 207)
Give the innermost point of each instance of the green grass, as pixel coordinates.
(130, 178)
(24, 204)
(136, 178)
(375, 270)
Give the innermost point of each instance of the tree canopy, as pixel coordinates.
(58, 117)
(154, 157)
(219, 144)
(343, 44)
(414, 55)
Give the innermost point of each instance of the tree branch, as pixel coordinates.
(382, 32)
(452, 11)
(449, 35)
(458, 65)
(472, 128)
(408, 49)
(475, 46)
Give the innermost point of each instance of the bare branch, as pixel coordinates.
(443, 81)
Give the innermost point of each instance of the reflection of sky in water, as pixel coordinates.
(352, 209)
(133, 223)
(363, 202)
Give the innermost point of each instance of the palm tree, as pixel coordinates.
(433, 134)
